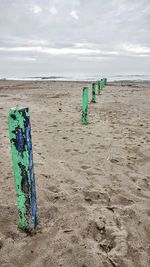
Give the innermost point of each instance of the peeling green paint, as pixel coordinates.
(99, 86)
(85, 105)
(105, 81)
(102, 83)
(19, 124)
(93, 93)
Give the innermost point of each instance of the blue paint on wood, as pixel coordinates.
(31, 171)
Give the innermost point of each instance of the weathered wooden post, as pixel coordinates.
(22, 157)
(105, 81)
(85, 105)
(102, 84)
(93, 93)
(99, 86)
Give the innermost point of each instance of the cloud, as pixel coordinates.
(53, 10)
(36, 9)
(69, 51)
(76, 31)
(74, 15)
(138, 49)
(21, 58)
(36, 42)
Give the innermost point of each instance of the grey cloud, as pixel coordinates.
(107, 26)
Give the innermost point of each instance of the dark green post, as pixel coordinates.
(21, 146)
(93, 93)
(105, 81)
(102, 84)
(85, 105)
(99, 86)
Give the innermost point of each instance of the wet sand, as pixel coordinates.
(93, 181)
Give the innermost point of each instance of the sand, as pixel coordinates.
(93, 182)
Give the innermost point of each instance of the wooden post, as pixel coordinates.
(22, 157)
(93, 93)
(102, 84)
(85, 105)
(99, 87)
(105, 81)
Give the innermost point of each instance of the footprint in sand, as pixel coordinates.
(95, 230)
(110, 235)
(93, 197)
(49, 213)
(114, 160)
(100, 147)
(54, 197)
(142, 193)
(67, 150)
(53, 189)
(8, 217)
(121, 200)
(146, 181)
(1, 244)
(12, 235)
(65, 138)
(99, 231)
(84, 167)
(76, 150)
(148, 212)
(47, 176)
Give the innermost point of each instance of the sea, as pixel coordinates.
(83, 77)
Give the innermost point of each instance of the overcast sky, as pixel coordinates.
(40, 37)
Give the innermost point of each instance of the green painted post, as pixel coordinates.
(85, 105)
(99, 87)
(102, 84)
(93, 93)
(105, 81)
(21, 146)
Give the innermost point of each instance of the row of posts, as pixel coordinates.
(22, 157)
(100, 86)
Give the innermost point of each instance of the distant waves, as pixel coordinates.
(86, 77)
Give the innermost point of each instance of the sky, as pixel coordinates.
(44, 37)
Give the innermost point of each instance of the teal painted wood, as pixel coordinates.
(105, 81)
(102, 84)
(93, 93)
(99, 86)
(21, 146)
(85, 105)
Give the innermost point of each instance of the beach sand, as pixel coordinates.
(93, 181)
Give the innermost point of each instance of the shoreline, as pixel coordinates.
(75, 81)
